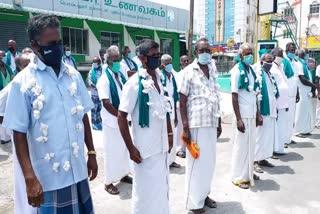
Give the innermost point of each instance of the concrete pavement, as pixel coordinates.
(289, 188)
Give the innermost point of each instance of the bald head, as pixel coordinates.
(96, 59)
(22, 61)
(12, 46)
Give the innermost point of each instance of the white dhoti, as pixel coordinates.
(290, 119)
(5, 135)
(117, 163)
(178, 132)
(199, 172)
(243, 153)
(172, 155)
(265, 139)
(21, 204)
(317, 124)
(282, 131)
(304, 114)
(150, 193)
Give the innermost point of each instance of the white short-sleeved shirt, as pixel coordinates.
(137, 61)
(4, 93)
(292, 81)
(282, 82)
(271, 96)
(247, 100)
(304, 90)
(318, 71)
(150, 140)
(103, 87)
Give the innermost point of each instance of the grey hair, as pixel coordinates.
(40, 23)
(243, 47)
(113, 49)
(164, 58)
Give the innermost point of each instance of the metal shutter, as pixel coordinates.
(16, 31)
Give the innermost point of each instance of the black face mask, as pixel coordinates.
(11, 49)
(153, 62)
(52, 54)
(267, 66)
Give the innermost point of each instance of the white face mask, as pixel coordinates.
(278, 60)
(95, 65)
(68, 53)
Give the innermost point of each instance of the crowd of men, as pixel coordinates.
(148, 113)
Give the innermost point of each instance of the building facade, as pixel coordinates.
(89, 25)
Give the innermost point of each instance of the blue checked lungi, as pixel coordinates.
(95, 113)
(74, 199)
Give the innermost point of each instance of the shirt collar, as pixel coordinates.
(39, 65)
(196, 66)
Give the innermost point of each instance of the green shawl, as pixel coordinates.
(287, 67)
(305, 69)
(94, 78)
(175, 88)
(9, 72)
(264, 103)
(243, 82)
(128, 64)
(143, 100)
(113, 88)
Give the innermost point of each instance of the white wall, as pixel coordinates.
(94, 44)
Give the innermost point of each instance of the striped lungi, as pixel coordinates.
(74, 199)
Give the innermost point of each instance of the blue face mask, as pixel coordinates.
(169, 68)
(138, 53)
(248, 60)
(306, 58)
(291, 55)
(130, 55)
(153, 62)
(115, 67)
(204, 58)
(52, 54)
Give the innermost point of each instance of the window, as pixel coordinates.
(314, 8)
(166, 46)
(140, 38)
(110, 38)
(76, 39)
(288, 12)
(285, 34)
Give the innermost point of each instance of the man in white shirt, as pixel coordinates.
(266, 134)
(304, 113)
(11, 54)
(200, 113)
(181, 148)
(152, 136)
(317, 124)
(244, 88)
(116, 157)
(291, 71)
(169, 83)
(137, 58)
(282, 101)
(127, 63)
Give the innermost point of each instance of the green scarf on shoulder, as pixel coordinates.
(113, 87)
(143, 99)
(287, 67)
(243, 82)
(128, 64)
(175, 88)
(264, 103)
(305, 69)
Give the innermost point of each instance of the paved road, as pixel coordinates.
(289, 188)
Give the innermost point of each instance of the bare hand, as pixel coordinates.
(34, 192)
(219, 131)
(241, 127)
(187, 135)
(135, 155)
(92, 166)
(259, 121)
(170, 141)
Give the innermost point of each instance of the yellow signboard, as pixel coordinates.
(313, 42)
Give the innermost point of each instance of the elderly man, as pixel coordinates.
(200, 113)
(304, 114)
(116, 156)
(102, 52)
(51, 126)
(137, 58)
(11, 54)
(282, 102)
(181, 148)
(169, 83)
(127, 63)
(244, 87)
(143, 97)
(68, 59)
(291, 68)
(266, 134)
(93, 77)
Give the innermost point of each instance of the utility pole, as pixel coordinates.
(190, 37)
